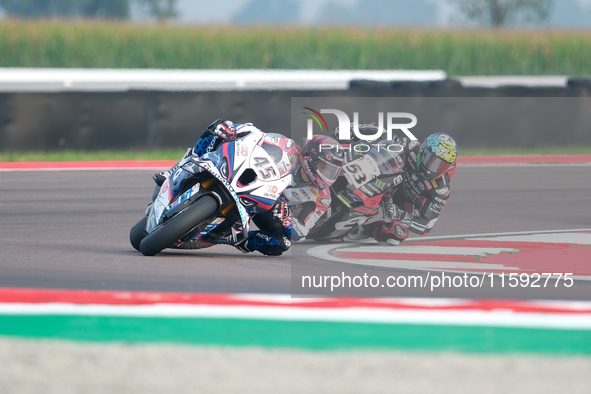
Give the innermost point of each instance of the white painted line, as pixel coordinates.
(480, 235)
(420, 249)
(49, 79)
(567, 238)
(323, 253)
(502, 318)
(550, 236)
(514, 165)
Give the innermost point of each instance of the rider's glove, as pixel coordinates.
(223, 129)
(391, 210)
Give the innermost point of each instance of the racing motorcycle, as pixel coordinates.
(360, 193)
(212, 199)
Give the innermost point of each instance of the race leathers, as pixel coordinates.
(415, 204)
(420, 199)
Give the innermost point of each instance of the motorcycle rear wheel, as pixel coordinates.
(138, 232)
(165, 236)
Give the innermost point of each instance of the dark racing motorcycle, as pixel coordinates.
(360, 193)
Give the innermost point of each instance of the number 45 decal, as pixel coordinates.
(265, 169)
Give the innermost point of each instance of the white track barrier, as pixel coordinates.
(60, 80)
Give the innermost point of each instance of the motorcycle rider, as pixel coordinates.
(416, 206)
(313, 171)
(319, 164)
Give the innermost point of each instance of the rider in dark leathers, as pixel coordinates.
(416, 206)
(417, 203)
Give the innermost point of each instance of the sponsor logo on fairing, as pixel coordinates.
(380, 184)
(241, 126)
(212, 170)
(224, 169)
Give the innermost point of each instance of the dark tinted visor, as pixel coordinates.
(328, 171)
(433, 165)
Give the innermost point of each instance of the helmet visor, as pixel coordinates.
(432, 166)
(328, 171)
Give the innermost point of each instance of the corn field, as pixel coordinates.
(458, 52)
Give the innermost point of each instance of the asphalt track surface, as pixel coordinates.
(69, 230)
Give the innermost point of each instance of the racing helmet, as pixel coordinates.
(437, 155)
(322, 160)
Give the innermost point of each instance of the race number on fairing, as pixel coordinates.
(361, 171)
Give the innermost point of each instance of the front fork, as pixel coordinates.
(205, 186)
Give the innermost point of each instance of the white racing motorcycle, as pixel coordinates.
(211, 199)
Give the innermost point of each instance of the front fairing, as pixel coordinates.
(382, 160)
(159, 205)
(247, 172)
(250, 172)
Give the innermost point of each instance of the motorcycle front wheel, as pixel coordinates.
(138, 232)
(173, 230)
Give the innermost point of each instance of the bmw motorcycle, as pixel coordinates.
(212, 199)
(359, 194)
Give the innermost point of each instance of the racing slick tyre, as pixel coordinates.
(173, 230)
(357, 234)
(138, 232)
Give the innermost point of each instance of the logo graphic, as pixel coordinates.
(345, 124)
(316, 119)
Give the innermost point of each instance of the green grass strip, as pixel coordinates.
(538, 150)
(73, 155)
(298, 334)
(175, 154)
